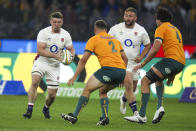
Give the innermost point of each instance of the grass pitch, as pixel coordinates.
(178, 116)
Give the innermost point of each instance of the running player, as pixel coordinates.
(132, 36)
(112, 60)
(170, 38)
(50, 42)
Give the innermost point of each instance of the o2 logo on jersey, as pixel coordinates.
(53, 49)
(129, 43)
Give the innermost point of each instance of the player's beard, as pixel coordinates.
(129, 23)
(56, 30)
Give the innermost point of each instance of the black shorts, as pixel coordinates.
(169, 67)
(110, 75)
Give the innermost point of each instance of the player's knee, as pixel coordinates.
(145, 80)
(35, 84)
(134, 88)
(152, 76)
(87, 90)
(52, 96)
(128, 83)
(158, 83)
(102, 91)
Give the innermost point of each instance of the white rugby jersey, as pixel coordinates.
(130, 38)
(54, 42)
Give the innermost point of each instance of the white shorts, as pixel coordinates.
(51, 73)
(130, 66)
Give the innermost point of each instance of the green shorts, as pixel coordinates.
(169, 67)
(110, 75)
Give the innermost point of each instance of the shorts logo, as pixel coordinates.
(167, 70)
(106, 78)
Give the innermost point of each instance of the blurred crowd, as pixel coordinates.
(22, 19)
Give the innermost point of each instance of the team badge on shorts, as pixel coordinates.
(167, 70)
(106, 78)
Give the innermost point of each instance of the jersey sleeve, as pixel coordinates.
(90, 45)
(159, 33)
(145, 38)
(112, 31)
(68, 40)
(41, 37)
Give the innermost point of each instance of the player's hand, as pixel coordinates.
(138, 59)
(136, 68)
(72, 56)
(170, 80)
(71, 81)
(59, 56)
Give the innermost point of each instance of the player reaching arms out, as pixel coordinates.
(112, 60)
(50, 43)
(170, 38)
(131, 35)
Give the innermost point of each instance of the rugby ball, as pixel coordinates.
(67, 57)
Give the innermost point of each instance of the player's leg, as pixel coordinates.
(130, 86)
(52, 90)
(135, 82)
(159, 91)
(52, 80)
(160, 110)
(168, 68)
(152, 76)
(92, 84)
(51, 96)
(32, 94)
(104, 102)
(130, 96)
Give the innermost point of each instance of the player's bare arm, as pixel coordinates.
(80, 67)
(41, 50)
(71, 49)
(153, 51)
(143, 54)
(124, 57)
(170, 80)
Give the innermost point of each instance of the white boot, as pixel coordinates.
(136, 118)
(158, 115)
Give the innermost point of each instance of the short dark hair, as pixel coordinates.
(101, 24)
(163, 14)
(56, 15)
(131, 9)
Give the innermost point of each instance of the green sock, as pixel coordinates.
(145, 98)
(159, 90)
(81, 103)
(104, 107)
